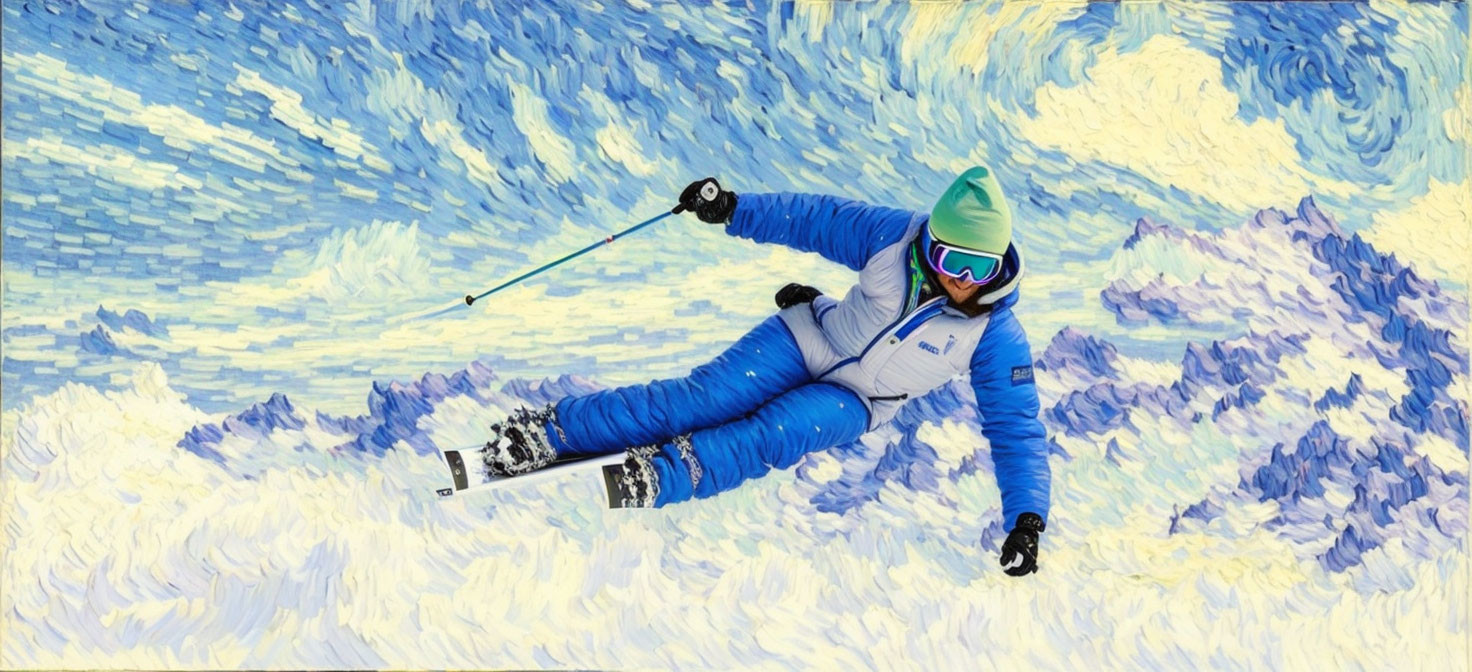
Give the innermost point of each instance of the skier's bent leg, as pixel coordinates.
(762, 364)
(812, 417)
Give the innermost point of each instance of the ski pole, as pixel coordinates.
(469, 300)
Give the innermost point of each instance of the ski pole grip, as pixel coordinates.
(709, 191)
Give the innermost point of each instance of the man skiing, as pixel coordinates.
(934, 299)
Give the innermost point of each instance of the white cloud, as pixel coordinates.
(208, 199)
(286, 107)
(1431, 233)
(104, 161)
(450, 135)
(44, 76)
(529, 110)
(812, 18)
(346, 282)
(354, 191)
(398, 96)
(1457, 119)
(616, 138)
(365, 265)
(619, 144)
(1163, 112)
(1014, 22)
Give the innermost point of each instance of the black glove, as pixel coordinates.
(794, 294)
(1020, 551)
(708, 201)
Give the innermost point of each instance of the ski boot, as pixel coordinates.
(520, 443)
(633, 485)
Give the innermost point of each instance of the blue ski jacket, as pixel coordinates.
(887, 345)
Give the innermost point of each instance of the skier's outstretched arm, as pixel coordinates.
(1002, 377)
(842, 230)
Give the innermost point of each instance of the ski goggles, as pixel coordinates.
(960, 263)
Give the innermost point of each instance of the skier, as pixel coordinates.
(934, 299)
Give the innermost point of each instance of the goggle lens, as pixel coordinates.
(960, 263)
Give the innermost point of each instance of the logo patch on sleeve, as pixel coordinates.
(1021, 375)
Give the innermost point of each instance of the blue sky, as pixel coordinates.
(277, 185)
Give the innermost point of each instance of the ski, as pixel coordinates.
(468, 476)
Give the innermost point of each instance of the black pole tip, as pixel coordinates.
(469, 299)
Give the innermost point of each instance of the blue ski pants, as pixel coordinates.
(753, 408)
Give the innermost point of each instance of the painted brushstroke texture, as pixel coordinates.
(1246, 227)
(1240, 488)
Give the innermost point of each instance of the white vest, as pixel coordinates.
(878, 344)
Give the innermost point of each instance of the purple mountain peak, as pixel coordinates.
(1144, 226)
(1072, 348)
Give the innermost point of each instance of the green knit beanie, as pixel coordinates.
(972, 213)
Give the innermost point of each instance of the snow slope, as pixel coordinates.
(1231, 510)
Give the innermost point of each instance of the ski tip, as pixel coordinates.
(457, 469)
(612, 474)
